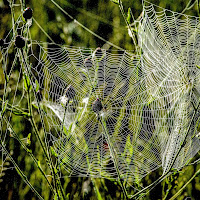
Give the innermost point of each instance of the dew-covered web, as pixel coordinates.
(9, 62)
(111, 112)
(170, 59)
(13, 90)
(89, 140)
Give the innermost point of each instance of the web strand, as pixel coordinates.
(148, 100)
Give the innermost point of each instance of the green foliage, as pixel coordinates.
(115, 1)
(129, 16)
(29, 139)
(105, 19)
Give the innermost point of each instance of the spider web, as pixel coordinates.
(149, 100)
(10, 58)
(110, 76)
(170, 45)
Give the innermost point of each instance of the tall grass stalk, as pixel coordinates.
(57, 184)
(113, 154)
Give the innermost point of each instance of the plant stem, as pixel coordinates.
(43, 30)
(21, 173)
(66, 105)
(37, 133)
(84, 27)
(13, 17)
(185, 185)
(150, 186)
(112, 151)
(29, 152)
(127, 23)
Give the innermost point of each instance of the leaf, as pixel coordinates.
(29, 150)
(4, 106)
(55, 197)
(65, 130)
(19, 113)
(129, 16)
(198, 66)
(26, 82)
(70, 128)
(35, 106)
(23, 19)
(115, 1)
(37, 86)
(29, 139)
(68, 196)
(39, 164)
(53, 152)
(55, 170)
(96, 189)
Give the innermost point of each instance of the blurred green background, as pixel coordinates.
(103, 18)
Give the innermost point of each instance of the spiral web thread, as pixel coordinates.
(170, 45)
(110, 76)
(149, 100)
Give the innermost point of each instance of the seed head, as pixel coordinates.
(70, 92)
(19, 41)
(1, 42)
(97, 106)
(28, 13)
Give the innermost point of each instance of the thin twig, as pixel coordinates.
(84, 27)
(127, 23)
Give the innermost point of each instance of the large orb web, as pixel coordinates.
(94, 144)
(170, 55)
